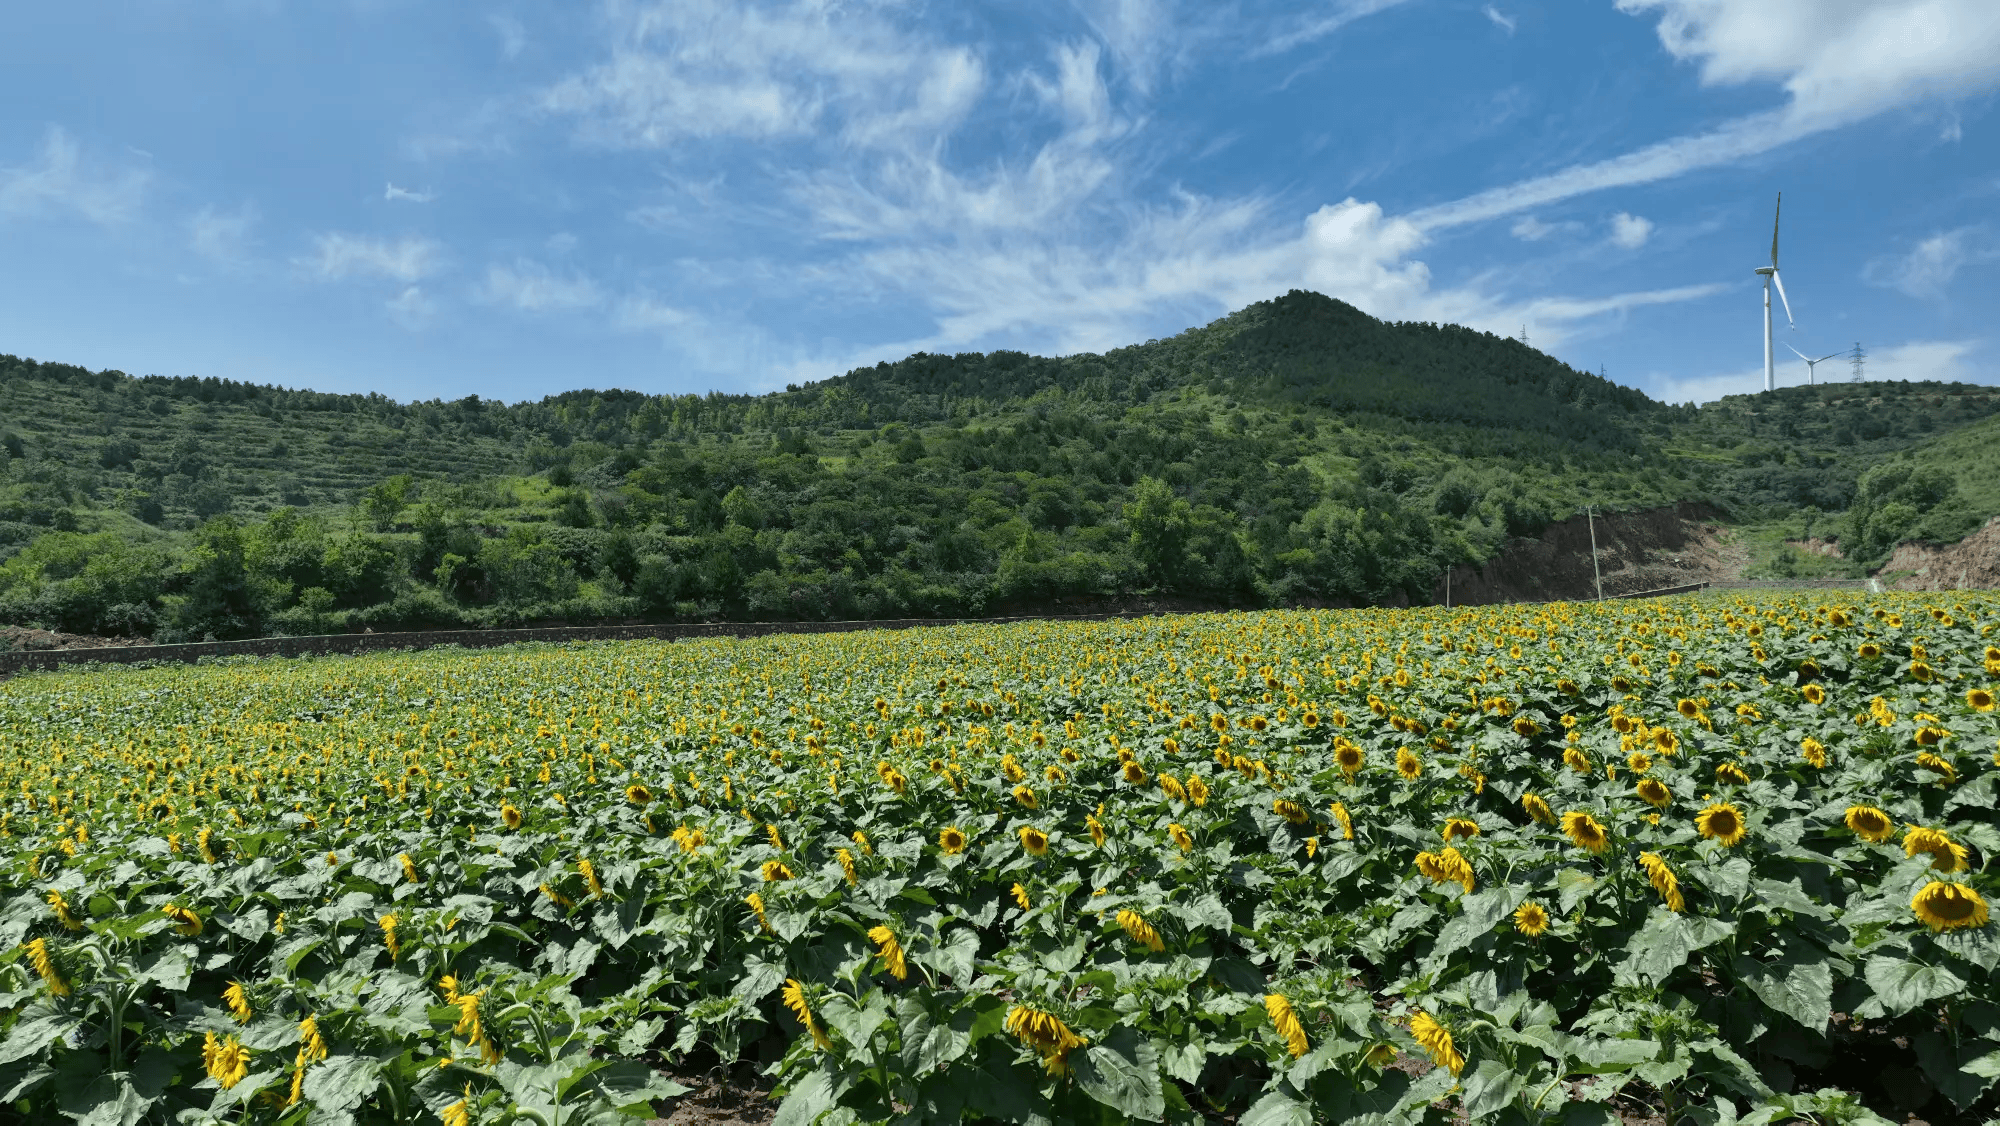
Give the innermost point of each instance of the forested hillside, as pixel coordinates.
(1297, 451)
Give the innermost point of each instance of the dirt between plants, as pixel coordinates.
(21, 639)
(1651, 549)
(1971, 563)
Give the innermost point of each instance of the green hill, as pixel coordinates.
(1295, 451)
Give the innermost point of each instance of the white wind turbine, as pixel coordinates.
(1810, 363)
(1771, 277)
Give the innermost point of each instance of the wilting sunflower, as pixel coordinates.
(509, 816)
(1034, 840)
(775, 870)
(1020, 896)
(1290, 810)
(794, 998)
(1731, 773)
(638, 794)
(186, 922)
(1459, 828)
(1197, 790)
(1135, 774)
(1944, 906)
(1814, 752)
(1870, 824)
(1537, 809)
(238, 1001)
(1583, 829)
(1575, 759)
(1722, 823)
(1027, 797)
(1947, 855)
(1531, 919)
(1050, 1038)
(1654, 793)
(1662, 878)
(952, 840)
(1287, 1023)
(890, 951)
(1139, 930)
(1435, 1040)
(45, 966)
(1341, 815)
(226, 1060)
(1446, 866)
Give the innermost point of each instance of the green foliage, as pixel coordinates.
(1161, 870)
(1296, 452)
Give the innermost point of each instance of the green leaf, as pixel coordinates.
(1664, 943)
(1477, 914)
(856, 1023)
(630, 1085)
(341, 1082)
(1728, 880)
(110, 1100)
(1490, 1088)
(1281, 1107)
(758, 980)
(1123, 1073)
(810, 1097)
(32, 1035)
(1944, 1066)
(1800, 990)
(1901, 984)
(1986, 1066)
(168, 968)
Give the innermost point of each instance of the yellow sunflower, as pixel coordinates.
(1722, 823)
(1458, 828)
(1531, 919)
(1287, 1023)
(1943, 906)
(1538, 809)
(951, 840)
(1409, 765)
(1654, 793)
(1034, 840)
(1584, 830)
(1947, 855)
(1870, 824)
(1435, 1040)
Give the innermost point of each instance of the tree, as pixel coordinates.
(1159, 521)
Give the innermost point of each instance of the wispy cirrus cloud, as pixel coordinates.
(1838, 61)
(1927, 269)
(60, 180)
(532, 287)
(337, 256)
(222, 236)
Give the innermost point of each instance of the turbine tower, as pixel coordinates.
(1770, 274)
(1811, 363)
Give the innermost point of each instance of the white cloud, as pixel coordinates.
(531, 286)
(513, 36)
(1630, 231)
(343, 256)
(1499, 18)
(1315, 26)
(58, 180)
(223, 236)
(1530, 229)
(1927, 270)
(644, 313)
(411, 308)
(392, 193)
(1838, 61)
(789, 69)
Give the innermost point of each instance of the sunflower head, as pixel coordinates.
(1813, 694)
(952, 840)
(1945, 906)
(1722, 823)
(1459, 828)
(1531, 919)
(638, 794)
(1197, 790)
(1409, 765)
(1947, 855)
(1348, 757)
(1870, 824)
(1537, 809)
(1034, 840)
(509, 816)
(1026, 797)
(1584, 830)
(1979, 699)
(1654, 793)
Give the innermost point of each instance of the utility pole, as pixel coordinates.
(1858, 358)
(1590, 517)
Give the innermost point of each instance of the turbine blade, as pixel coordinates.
(1781, 297)
(1774, 229)
(1827, 357)
(1799, 354)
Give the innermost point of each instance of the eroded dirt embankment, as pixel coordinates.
(1645, 550)
(1973, 562)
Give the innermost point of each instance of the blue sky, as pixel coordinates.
(433, 200)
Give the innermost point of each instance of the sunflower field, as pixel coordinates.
(1711, 860)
